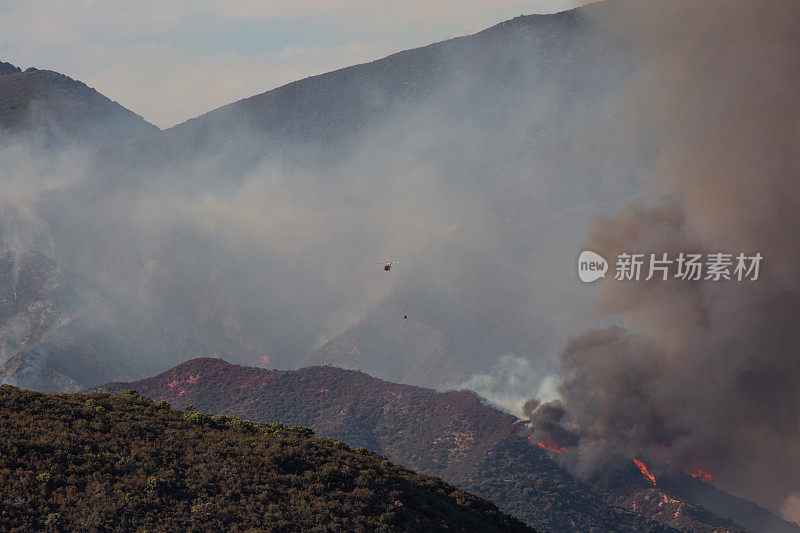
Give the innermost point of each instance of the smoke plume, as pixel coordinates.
(706, 373)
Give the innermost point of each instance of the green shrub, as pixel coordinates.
(245, 425)
(201, 419)
(274, 429)
(54, 520)
(302, 431)
(202, 511)
(157, 486)
(222, 420)
(329, 474)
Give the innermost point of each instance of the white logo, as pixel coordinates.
(591, 266)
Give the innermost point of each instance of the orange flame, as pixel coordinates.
(645, 472)
(547, 444)
(703, 475)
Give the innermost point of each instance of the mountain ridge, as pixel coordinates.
(453, 434)
(124, 462)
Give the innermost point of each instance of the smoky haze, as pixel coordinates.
(257, 232)
(705, 374)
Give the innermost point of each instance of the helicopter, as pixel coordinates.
(387, 267)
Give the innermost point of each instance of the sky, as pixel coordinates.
(171, 61)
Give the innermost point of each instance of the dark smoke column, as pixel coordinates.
(706, 372)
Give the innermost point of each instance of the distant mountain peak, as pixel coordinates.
(59, 107)
(203, 363)
(8, 68)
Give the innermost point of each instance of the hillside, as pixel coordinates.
(122, 462)
(58, 107)
(454, 435)
(415, 353)
(685, 500)
(334, 108)
(44, 344)
(59, 333)
(458, 437)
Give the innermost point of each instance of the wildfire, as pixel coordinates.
(645, 472)
(703, 475)
(699, 473)
(547, 444)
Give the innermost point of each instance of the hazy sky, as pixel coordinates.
(170, 61)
